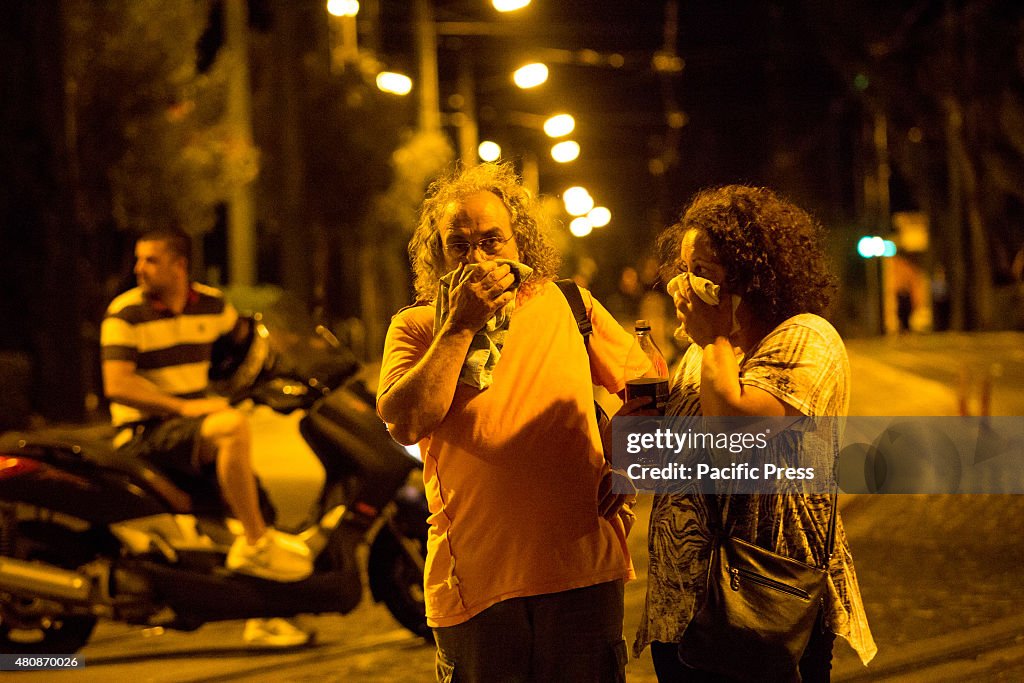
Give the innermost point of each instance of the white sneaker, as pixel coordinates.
(276, 556)
(275, 633)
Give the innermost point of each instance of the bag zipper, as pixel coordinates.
(735, 573)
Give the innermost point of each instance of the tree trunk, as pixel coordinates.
(296, 233)
(59, 381)
(972, 271)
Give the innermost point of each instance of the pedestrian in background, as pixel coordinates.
(488, 372)
(772, 354)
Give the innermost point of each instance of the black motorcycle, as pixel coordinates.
(87, 533)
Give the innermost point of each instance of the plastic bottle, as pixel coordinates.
(646, 369)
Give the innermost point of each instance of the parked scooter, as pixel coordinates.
(87, 533)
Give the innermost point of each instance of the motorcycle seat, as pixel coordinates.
(94, 445)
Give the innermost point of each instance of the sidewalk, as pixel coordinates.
(938, 573)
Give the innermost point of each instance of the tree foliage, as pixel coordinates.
(948, 76)
(151, 145)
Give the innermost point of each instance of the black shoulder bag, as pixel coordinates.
(759, 609)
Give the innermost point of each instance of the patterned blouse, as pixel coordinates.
(802, 362)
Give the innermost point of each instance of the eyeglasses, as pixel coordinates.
(488, 245)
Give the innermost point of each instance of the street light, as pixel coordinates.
(344, 36)
(559, 125)
(489, 150)
(600, 216)
(509, 5)
(581, 227)
(530, 75)
(565, 151)
(877, 252)
(343, 8)
(577, 201)
(394, 83)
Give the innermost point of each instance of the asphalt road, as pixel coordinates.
(939, 573)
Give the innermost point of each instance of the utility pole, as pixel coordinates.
(886, 297)
(241, 222)
(426, 46)
(296, 234)
(469, 132)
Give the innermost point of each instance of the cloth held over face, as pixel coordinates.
(706, 290)
(485, 349)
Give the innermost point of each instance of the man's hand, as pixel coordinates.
(608, 502)
(197, 407)
(471, 303)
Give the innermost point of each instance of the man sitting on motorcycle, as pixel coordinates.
(156, 344)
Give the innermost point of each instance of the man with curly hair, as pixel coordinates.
(489, 373)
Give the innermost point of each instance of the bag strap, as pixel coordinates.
(571, 292)
(830, 541)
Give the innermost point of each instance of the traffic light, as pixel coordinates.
(873, 246)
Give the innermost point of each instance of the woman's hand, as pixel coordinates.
(642, 405)
(703, 322)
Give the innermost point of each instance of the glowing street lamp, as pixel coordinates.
(581, 227)
(530, 76)
(600, 216)
(509, 5)
(565, 151)
(559, 125)
(394, 83)
(489, 150)
(577, 200)
(343, 8)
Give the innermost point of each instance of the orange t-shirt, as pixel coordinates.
(512, 471)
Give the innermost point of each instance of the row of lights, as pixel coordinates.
(556, 126)
(577, 200)
(580, 204)
(350, 8)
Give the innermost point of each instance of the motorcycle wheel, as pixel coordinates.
(398, 582)
(27, 625)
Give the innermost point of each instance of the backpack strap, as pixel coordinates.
(571, 292)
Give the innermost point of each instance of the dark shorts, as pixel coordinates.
(571, 637)
(172, 445)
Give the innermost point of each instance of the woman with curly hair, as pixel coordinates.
(760, 348)
(525, 565)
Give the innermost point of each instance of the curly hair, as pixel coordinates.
(426, 251)
(771, 249)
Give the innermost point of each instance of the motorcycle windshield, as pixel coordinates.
(301, 348)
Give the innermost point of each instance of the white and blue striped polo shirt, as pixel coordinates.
(171, 351)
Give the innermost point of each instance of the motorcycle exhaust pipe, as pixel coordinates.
(46, 580)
